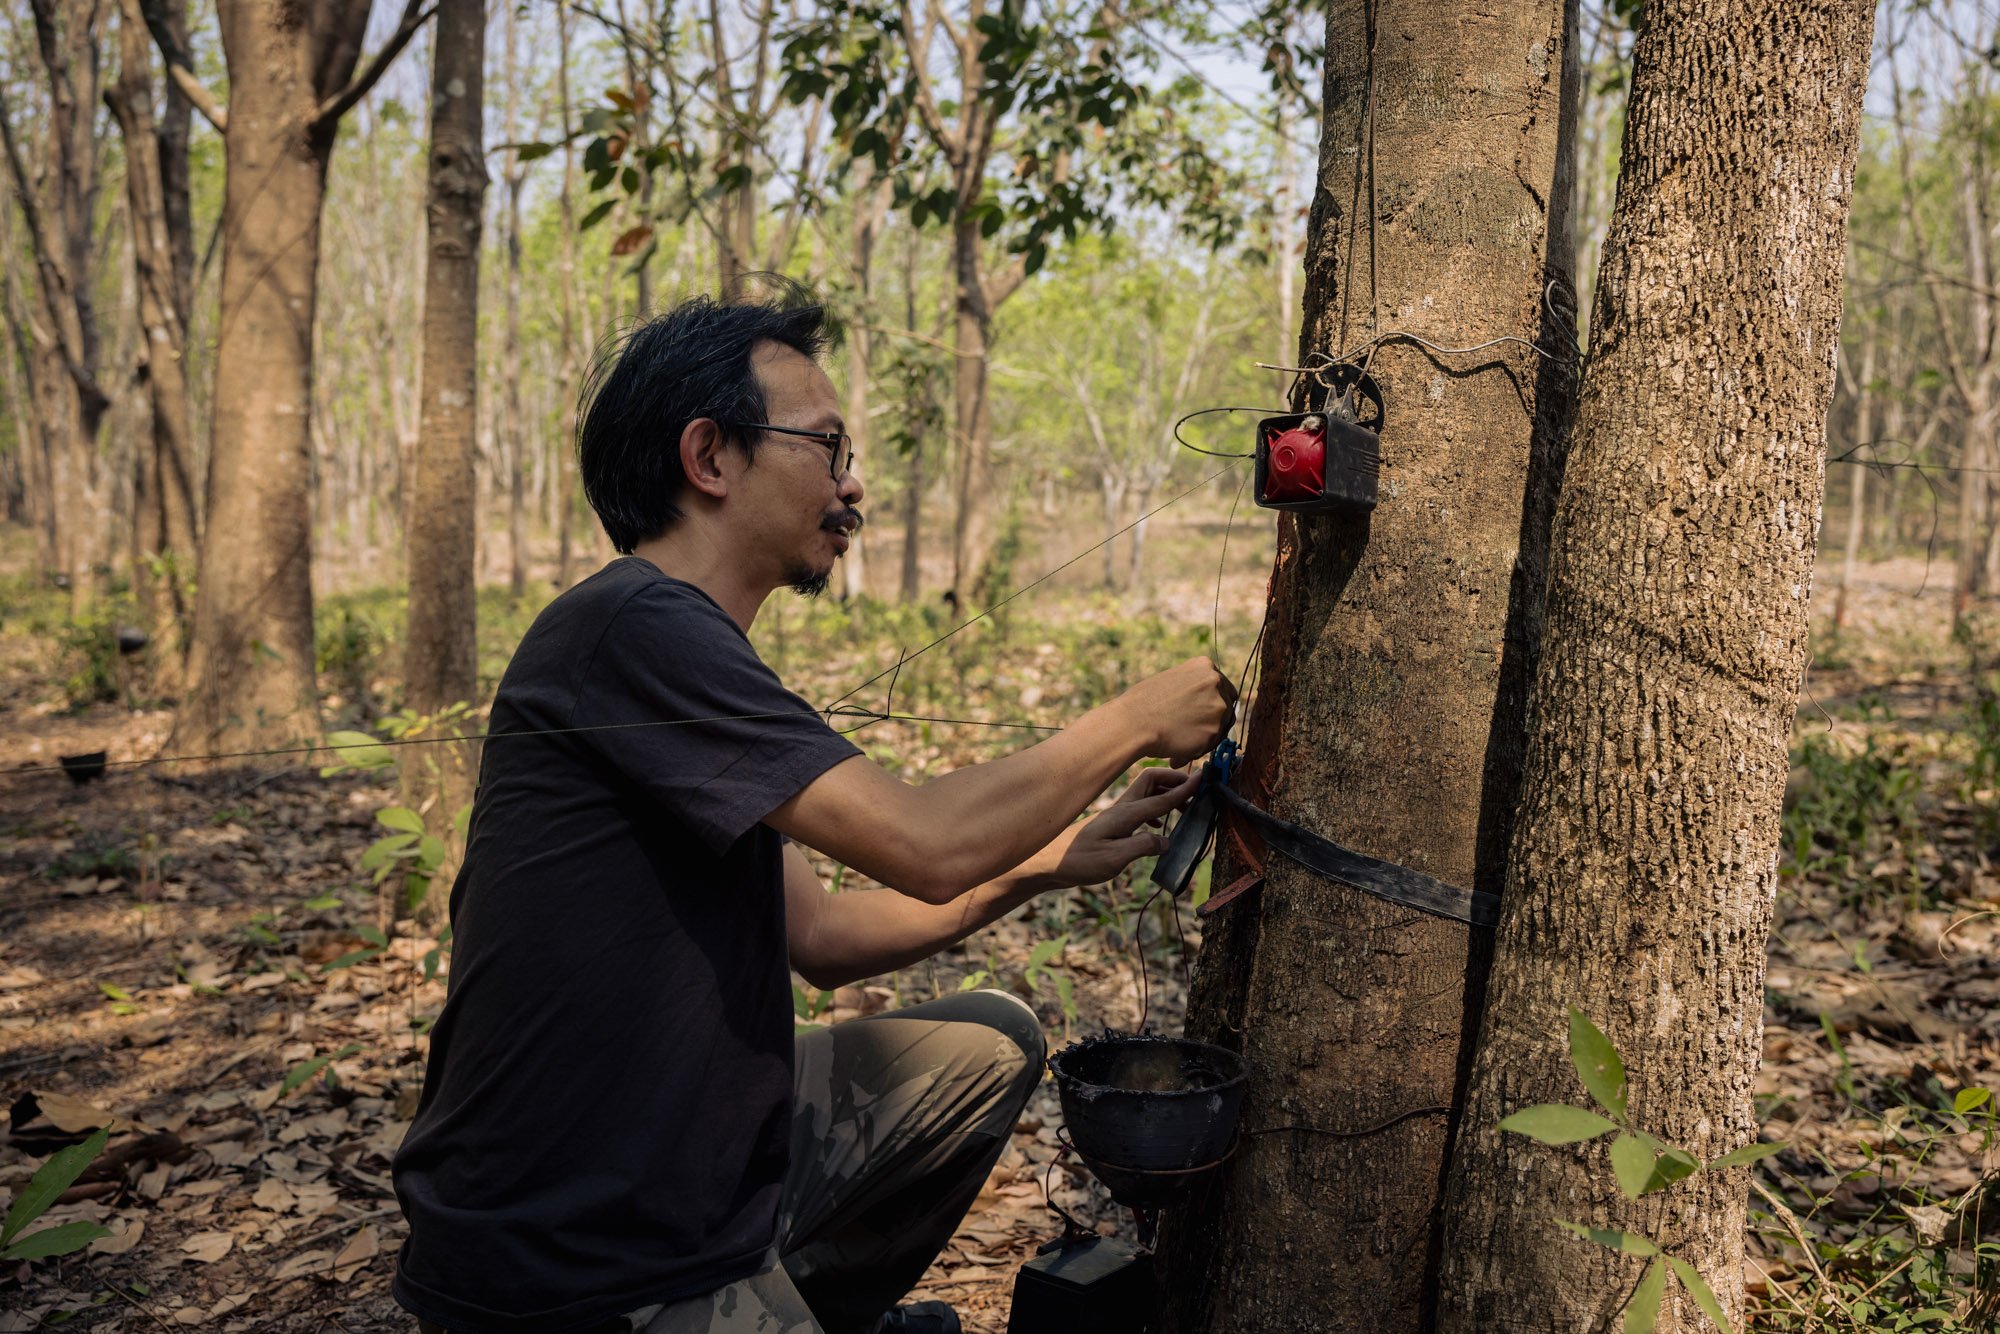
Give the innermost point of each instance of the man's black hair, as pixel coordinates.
(692, 362)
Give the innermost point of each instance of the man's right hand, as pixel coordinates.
(1187, 708)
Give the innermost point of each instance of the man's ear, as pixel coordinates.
(702, 462)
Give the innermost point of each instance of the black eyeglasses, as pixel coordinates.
(839, 442)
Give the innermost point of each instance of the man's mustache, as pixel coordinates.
(848, 520)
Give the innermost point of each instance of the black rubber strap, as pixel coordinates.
(1370, 875)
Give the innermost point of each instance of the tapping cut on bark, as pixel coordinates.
(1396, 656)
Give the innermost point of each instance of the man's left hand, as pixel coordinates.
(1092, 853)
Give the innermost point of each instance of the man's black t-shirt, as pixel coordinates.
(604, 1121)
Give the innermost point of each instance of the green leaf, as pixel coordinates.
(1643, 1311)
(1597, 1063)
(1749, 1153)
(373, 935)
(400, 817)
(51, 1179)
(1557, 1123)
(114, 991)
(529, 152)
(596, 215)
(357, 750)
(349, 959)
(1703, 1295)
(430, 854)
(1628, 1242)
(1970, 1100)
(462, 821)
(305, 1070)
(1632, 1162)
(322, 903)
(1039, 957)
(384, 851)
(1673, 1165)
(54, 1241)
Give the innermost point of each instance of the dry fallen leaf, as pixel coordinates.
(125, 1234)
(71, 1115)
(312, 1262)
(355, 1256)
(274, 1195)
(208, 1247)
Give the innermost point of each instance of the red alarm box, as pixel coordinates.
(1326, 461)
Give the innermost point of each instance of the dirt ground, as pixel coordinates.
(165, 952)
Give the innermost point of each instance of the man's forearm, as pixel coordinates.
(969, 827)
(869, 932)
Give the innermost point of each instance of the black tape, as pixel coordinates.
(1370, 875)
(1188, 842)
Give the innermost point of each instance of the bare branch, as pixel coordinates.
(331, 110)
(950, 144)
(179, 68)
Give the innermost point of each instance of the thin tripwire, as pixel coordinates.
(838, 708)
(373, 743)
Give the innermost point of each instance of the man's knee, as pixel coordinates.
(1018, 1023)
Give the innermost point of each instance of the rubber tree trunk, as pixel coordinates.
(1645, 852)
(1395, 664)
(440, 659)
(166, 480)
(972, 416)
(250, 665)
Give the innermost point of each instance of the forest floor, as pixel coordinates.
(198, 960)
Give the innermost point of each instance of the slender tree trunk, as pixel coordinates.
(167, 481)
(1645, 853)
(913, 489)
(1284, 234)
(572, 309)
(440, 659)
(871, 203)
(1857, 482)
(1395, 665)
(514, 432)
(972, 538)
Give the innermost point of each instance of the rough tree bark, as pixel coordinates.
(573, 312)
(1645, 852)
(871, 206)
(156, 170)
(440, 660)
(1389, 714)
(514, 431)
(292, 77)
(442, 522)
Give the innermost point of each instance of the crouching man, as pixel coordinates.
(619, 1129)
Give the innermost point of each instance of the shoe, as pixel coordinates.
(919, 1318)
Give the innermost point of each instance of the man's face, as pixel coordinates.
(802, 515)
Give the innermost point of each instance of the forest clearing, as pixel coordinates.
(173, 953)
(1000, 666)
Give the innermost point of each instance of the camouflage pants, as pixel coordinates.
(898, 1119)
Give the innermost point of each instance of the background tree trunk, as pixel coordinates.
(440, 662)
(1396, 653)
(155, 171)
(514, 434)
(250, 666)
(1645, 857)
